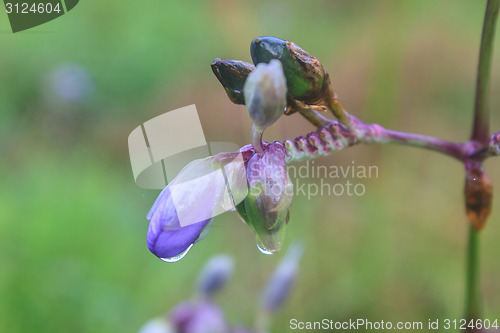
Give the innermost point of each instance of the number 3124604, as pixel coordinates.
(38, 8)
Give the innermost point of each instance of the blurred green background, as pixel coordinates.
(73, 255)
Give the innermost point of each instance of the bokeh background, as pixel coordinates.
(73, 256)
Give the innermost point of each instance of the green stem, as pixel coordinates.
(480, 133)
(472, 297)
(480, 130)
(256, 139)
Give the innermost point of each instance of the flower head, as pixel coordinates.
(254, 184)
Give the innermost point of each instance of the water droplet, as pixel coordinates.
(263, 250)
(179, 256)
(270, 249)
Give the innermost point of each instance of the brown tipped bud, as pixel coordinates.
(232, 74)
(304, 73)
(478, 196)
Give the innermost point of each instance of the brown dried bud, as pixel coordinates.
(478, 196)
(232, 74)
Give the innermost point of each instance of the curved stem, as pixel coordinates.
(453, 149)
(256, 139)
(314, 117)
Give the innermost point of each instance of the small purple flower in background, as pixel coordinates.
(281, 282)
(70, 83)
(198, 317)
(215, 275)
(202, 315)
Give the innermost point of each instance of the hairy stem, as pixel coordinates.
(335, 136)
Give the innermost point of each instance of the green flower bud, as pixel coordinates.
(266, 207)
(265, 94)
(304, 73)
(232, 74)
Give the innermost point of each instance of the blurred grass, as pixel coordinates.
(72, 222)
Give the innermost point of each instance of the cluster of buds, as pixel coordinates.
(202, 315)
(308, 84)
(252, 181)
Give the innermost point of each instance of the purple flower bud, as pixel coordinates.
(203, 317)
(266, 208)
(265, 93)
(182, 213)
(215, 274)
(282, 280)
(166, 238)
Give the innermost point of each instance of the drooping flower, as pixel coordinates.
(255, 184)
(183, 212)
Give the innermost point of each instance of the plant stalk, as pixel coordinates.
(256, 139)
(480, 129)
(472, 295)
(480, 134)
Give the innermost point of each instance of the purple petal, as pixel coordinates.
(166, 238)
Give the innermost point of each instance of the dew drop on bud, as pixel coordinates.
(179, 256)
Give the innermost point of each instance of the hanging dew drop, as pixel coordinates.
(179, 256)
(263, 250)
